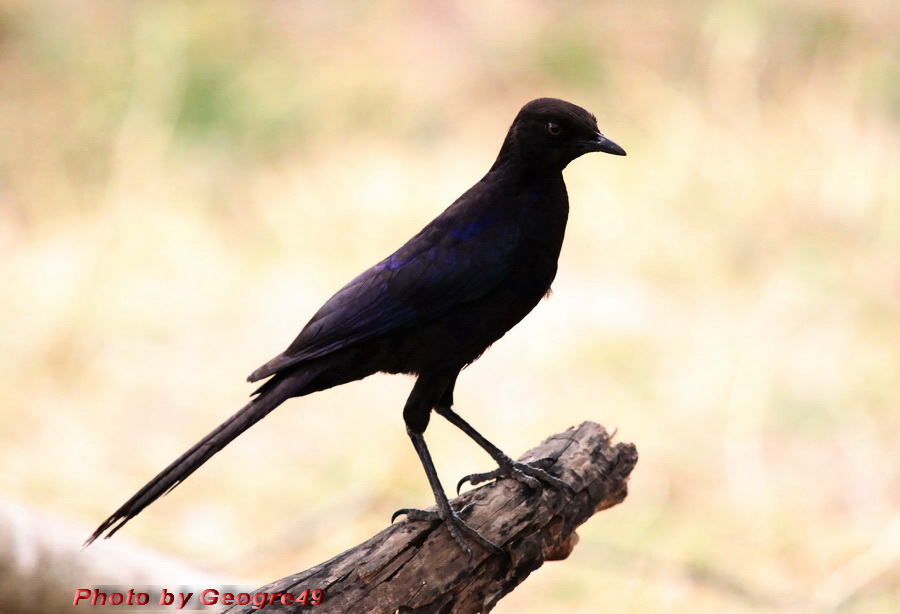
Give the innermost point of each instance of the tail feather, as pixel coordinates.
(202, 451)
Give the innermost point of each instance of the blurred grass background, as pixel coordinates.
(182, 184)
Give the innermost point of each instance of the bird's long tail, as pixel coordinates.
(202, 451)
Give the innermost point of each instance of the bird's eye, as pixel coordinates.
(553, 129)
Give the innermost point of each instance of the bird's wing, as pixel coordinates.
(450, 262)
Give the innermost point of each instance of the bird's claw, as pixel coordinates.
(533, 474)
(424, 515)
(413, 514)
(461, 532)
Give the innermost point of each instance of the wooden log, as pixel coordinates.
(417, 567)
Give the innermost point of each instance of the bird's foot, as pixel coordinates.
(461, 532)
(532, 474)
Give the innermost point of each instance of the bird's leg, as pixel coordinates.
(531, 474)
(418, 407)
(460, 531)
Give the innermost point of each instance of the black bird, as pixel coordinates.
(432, 307)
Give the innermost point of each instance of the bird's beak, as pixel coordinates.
(601, 143)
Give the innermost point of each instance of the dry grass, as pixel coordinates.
(182, 184)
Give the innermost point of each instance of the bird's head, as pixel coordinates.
(549, 133)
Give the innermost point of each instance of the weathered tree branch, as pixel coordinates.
(417, 567)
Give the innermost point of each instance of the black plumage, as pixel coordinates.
(433, 306)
